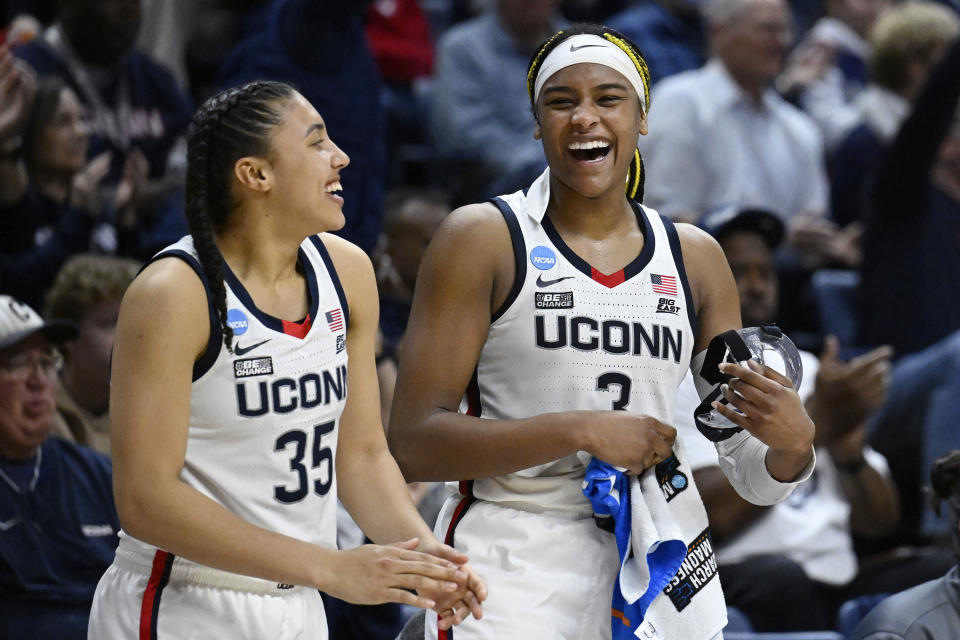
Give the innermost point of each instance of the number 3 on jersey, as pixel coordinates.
(320, 455)
(613, 379)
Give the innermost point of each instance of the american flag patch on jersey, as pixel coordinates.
(335, 320)
(665, 285)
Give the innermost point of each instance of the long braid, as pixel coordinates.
(637, 173)
(232, 124)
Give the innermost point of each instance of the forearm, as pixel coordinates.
(451, 446)
(13, 179)
(745, 461)
(372, 489)
(727, 511)
(786, 466)
(874, 505)
(177, 518)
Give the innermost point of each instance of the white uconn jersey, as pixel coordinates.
(264, 419)
(571, 338)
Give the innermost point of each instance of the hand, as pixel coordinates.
(813, 238)
(845, 248)
(83, 192)
(453, 608)
(17, 85)
(126, 199)
(375, 574)
(771, 409)
(805, 65)
(628, 440)
(846, 393)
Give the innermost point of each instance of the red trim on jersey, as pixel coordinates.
(473, 401)
(444, 634)
(466, 488)
(297, 329)
(611, 280)
(162, 563)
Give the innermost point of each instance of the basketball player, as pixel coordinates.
(565, 316)
(233, 432)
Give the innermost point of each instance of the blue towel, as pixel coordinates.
(615, 497)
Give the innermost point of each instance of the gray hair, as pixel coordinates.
(721, 12)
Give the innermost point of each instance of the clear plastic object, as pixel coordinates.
(773, 349)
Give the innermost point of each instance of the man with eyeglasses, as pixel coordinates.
(58, 523)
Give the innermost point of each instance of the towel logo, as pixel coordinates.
(698, 569)
(672, 480)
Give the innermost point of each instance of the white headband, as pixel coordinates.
(586, 47)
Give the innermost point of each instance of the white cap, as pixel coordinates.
(18, 322)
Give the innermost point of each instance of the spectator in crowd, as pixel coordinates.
(48, 204)
(135, 111)
(906, 42)
(481, 113)
(828, 68)
(402, 46)
(721, 135)
(930, 611)
(789, 566)
(87, 292)
(670, 32)
(316, 45)
(910, 280)
(915, 426)
(58, 524)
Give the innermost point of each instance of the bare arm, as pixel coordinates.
(162, 329)
(465, 276)
(845, 395)
(727, 511)
(771, 409)
(371, 486)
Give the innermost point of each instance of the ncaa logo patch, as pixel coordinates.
(672, 480)
(237, 320)
(543, 258)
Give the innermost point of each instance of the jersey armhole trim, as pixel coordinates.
(519, 251)
(676, 249)
(334, 277)
(212, 351)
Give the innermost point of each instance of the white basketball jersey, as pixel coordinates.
(571, 338)
(264, 419)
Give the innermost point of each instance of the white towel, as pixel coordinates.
(667, 584)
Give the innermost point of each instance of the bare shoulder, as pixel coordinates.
(343, 252)
(478, 230)
(168, 298)
(165, 282)
(702, 254)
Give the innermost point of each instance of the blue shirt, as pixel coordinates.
(57, 537)
(481, 110)
(669, 44)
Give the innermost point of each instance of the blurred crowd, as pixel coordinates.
(818, 141)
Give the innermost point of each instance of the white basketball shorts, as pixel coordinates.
(549, 576)
(168, 598)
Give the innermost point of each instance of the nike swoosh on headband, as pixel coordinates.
(584, 46)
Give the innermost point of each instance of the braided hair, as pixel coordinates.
(637, 174)
(945, 487)
(231, 125)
